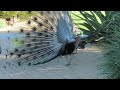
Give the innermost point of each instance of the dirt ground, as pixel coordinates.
(84, 65)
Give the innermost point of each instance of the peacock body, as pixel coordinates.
(50, 34)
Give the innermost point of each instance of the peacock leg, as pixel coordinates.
(68, 58)
(76, 50)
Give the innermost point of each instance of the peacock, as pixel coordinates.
(50, 35)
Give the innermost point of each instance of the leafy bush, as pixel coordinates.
(23, 15)
(91, 23)
(109, 28)
(2, 23)
(111, 48)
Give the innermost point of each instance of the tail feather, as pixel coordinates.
(45, 38)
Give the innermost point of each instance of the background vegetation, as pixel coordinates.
(103, 27)
(23, 15)
(19, 15)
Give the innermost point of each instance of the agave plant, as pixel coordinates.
(94, 23)
(107, 26)
(111, 66)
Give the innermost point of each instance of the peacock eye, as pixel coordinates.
(51, 27)
(11, 54)
(38, 52)
(29, 22)
(23, 50)
(35, 18)
(21, 30)
(28, 34)
(16, 50)
(29, 64)
(34, 29)
(46, 35)
(40, 24)
(19, 55)
(52, 34)
(28, 45)
(39, 34)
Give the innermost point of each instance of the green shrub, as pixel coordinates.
(23, 15)
(108, 27)
(111, 47)
(2, 23)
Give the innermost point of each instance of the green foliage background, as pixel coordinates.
(104, 24)
(23, 15)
